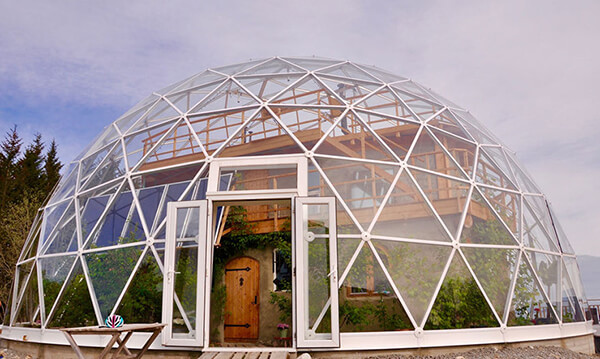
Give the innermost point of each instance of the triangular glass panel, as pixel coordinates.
(507, 205)
(346, 249)
(547, 267)
(66, 188)
(109, 271)
(498, 156)
(179, 146)
(459, 303)
(142, 302)
(27, 314)
(367, 292)
(30, 247)
(308, 91)
(162, 111)
(490, 174)
(266, 87)
(475, 129)
(52, 216)
(25, 270)
(187, 100)
(350, 90)
(534, 234)
(381, 74)
(443, 100)
(386, 102)
(147, 101)
(173, 193)
(64, 237)
(446, 121)
(575, 276)
(416, 270)
(565, 245)
(317, 187)
(539, 209)
(125, 122)
(311, 64)
(196, 81)
(109, 135)
(423, 108)
(173, 87)
(571, 310)
(350, 138)
(213, 130)
(74, 308)
(361, 185)
(307, 124)
(415, 89)
(90, 163)
(525, 183)
(463, 152)
(482, 225)
(237, 68)
(397, 134)
(228, 95)
(529, 307)
(111, 168)
(273, 66)
(54, 274)
(261, 136)
(494, 268)
(448, 197)
(120, 225)
(142, 143)
(407, 215)
(428, 154)
(92, 205)
(348, 70)
(150, 199)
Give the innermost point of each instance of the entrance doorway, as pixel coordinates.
(251, 290)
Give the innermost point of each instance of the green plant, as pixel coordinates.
(284, 305)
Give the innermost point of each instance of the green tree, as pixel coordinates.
(52, 167)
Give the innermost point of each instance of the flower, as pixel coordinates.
(282, 326)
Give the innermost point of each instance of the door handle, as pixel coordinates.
(255, 299)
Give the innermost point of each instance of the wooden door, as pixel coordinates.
(242, 304)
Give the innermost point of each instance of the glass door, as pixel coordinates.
(316, 277)
(184, 276)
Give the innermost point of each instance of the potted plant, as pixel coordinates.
(283, 330)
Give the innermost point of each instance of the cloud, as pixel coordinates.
(528, 70)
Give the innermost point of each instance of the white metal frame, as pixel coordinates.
(306, 336)
(169, 296)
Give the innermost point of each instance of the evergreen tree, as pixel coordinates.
(9, 154)
(52, 167)
(30, 176)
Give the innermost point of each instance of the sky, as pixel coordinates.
(528, 70)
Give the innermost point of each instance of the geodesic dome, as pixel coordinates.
(431, 207)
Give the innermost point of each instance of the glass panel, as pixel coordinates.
(317, 187)
(423, 108)
(494, 268)
(349, 89)
(226, 96)
(311, 64)
(398, 135)
(482, 226)
(565, 245)
(362, 185)
(350, 138)
(459, 303)
(160, 112)
(507, 205)
(386, 102)
(416, 270)
(367, 301)
(196, 80)
(91, 205)
(414, 89)
(489, 173)
(66, 187)
(213, 130)
(113, 229)
(28, 313)
(381, 74)
(125, 122)
(317, 266)
(346, 249)
(173, 193)
(547, 268)
(534, 235)
(575, 277)
(474, 127)
(112, 167)
(89, 164)
(307, 124)
(186, 272)
(463, 152)
(308, 91)
(407, 215)
(448, 197)
(142, 302)
(539, 209)
(109, 271)
(267, 87)
(273, 66)
(149, 198)
(52, 215)
(54, 274)
(140, 144)
(64, 238)
(446, 121)
(187, 100)
(74, 308)
(348, 70)
(528, 304)
(571, 309)
(278, 177)
(428, 154)
(524, 180)
(179, 147)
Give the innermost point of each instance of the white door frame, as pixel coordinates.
(169, 275)
(306, 336)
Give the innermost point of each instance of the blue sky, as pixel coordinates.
(528, 70)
